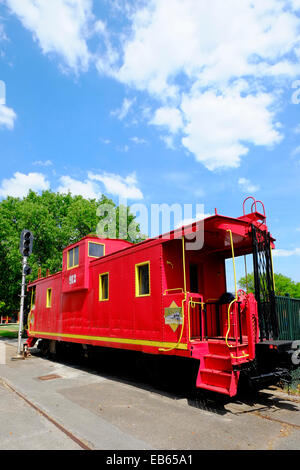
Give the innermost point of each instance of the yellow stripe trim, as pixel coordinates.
(113, 340)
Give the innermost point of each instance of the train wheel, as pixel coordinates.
(52, 347)
(44, 347)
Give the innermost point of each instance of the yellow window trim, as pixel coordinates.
(95, 243)
(68, 258)
(137, 284)
(100, 287)
(49, 298)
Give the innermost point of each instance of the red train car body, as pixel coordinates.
(157, 297)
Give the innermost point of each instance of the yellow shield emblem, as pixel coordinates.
(173, 316)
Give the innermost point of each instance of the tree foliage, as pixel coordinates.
(283, 285)
(56, 220)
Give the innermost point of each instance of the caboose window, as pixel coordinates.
(49, 298)
(103, 286)
(96, 250)
(142, 279)
(73, 257)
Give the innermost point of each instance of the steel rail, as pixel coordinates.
(71, 436)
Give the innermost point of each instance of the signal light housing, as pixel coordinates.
(26, 243)
(27, 270)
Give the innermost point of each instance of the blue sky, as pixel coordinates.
(160, 102)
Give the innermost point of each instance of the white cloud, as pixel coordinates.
(210, 70)
(91, 187)
(247, 186)
(296, 4)
(87, 189)
(220, 125)
(105, 60)
(43, 163)
(59, 26)
(117, 185)
(138, 140)
(2, 33)
(168, 117)
(124, 148)
(3, 38)
(169, 141)
(124, 110)
(284, 253)
(295, 151)
(195, 38)
(105, 141)
(215, 68)
(20, 184)
(7, 117)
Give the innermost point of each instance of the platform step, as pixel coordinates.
(217, 356)
(213, 388)
(215, 378)
(220, 349)
(216, 372)
(217, 362)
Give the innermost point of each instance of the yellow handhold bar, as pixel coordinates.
(235, 300)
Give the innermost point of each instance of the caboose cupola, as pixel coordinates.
(78, 257)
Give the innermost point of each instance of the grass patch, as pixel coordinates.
(294, 387)
(293, 390)
(9, 330)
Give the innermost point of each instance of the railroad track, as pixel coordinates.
(217, 405)
(223, 407)
(275, 420)
(80, 442)
(203, 401)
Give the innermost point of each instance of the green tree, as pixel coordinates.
(56, 220)
(283, 285)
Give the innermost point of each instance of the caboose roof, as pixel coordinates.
(96, 238)
(216, 235)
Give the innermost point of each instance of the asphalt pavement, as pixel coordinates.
(53, 405)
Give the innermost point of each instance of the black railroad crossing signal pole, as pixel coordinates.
(26, 243)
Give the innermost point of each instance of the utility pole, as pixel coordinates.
(21, 317)
(26, 243)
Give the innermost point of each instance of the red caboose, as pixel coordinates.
(160, 298)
